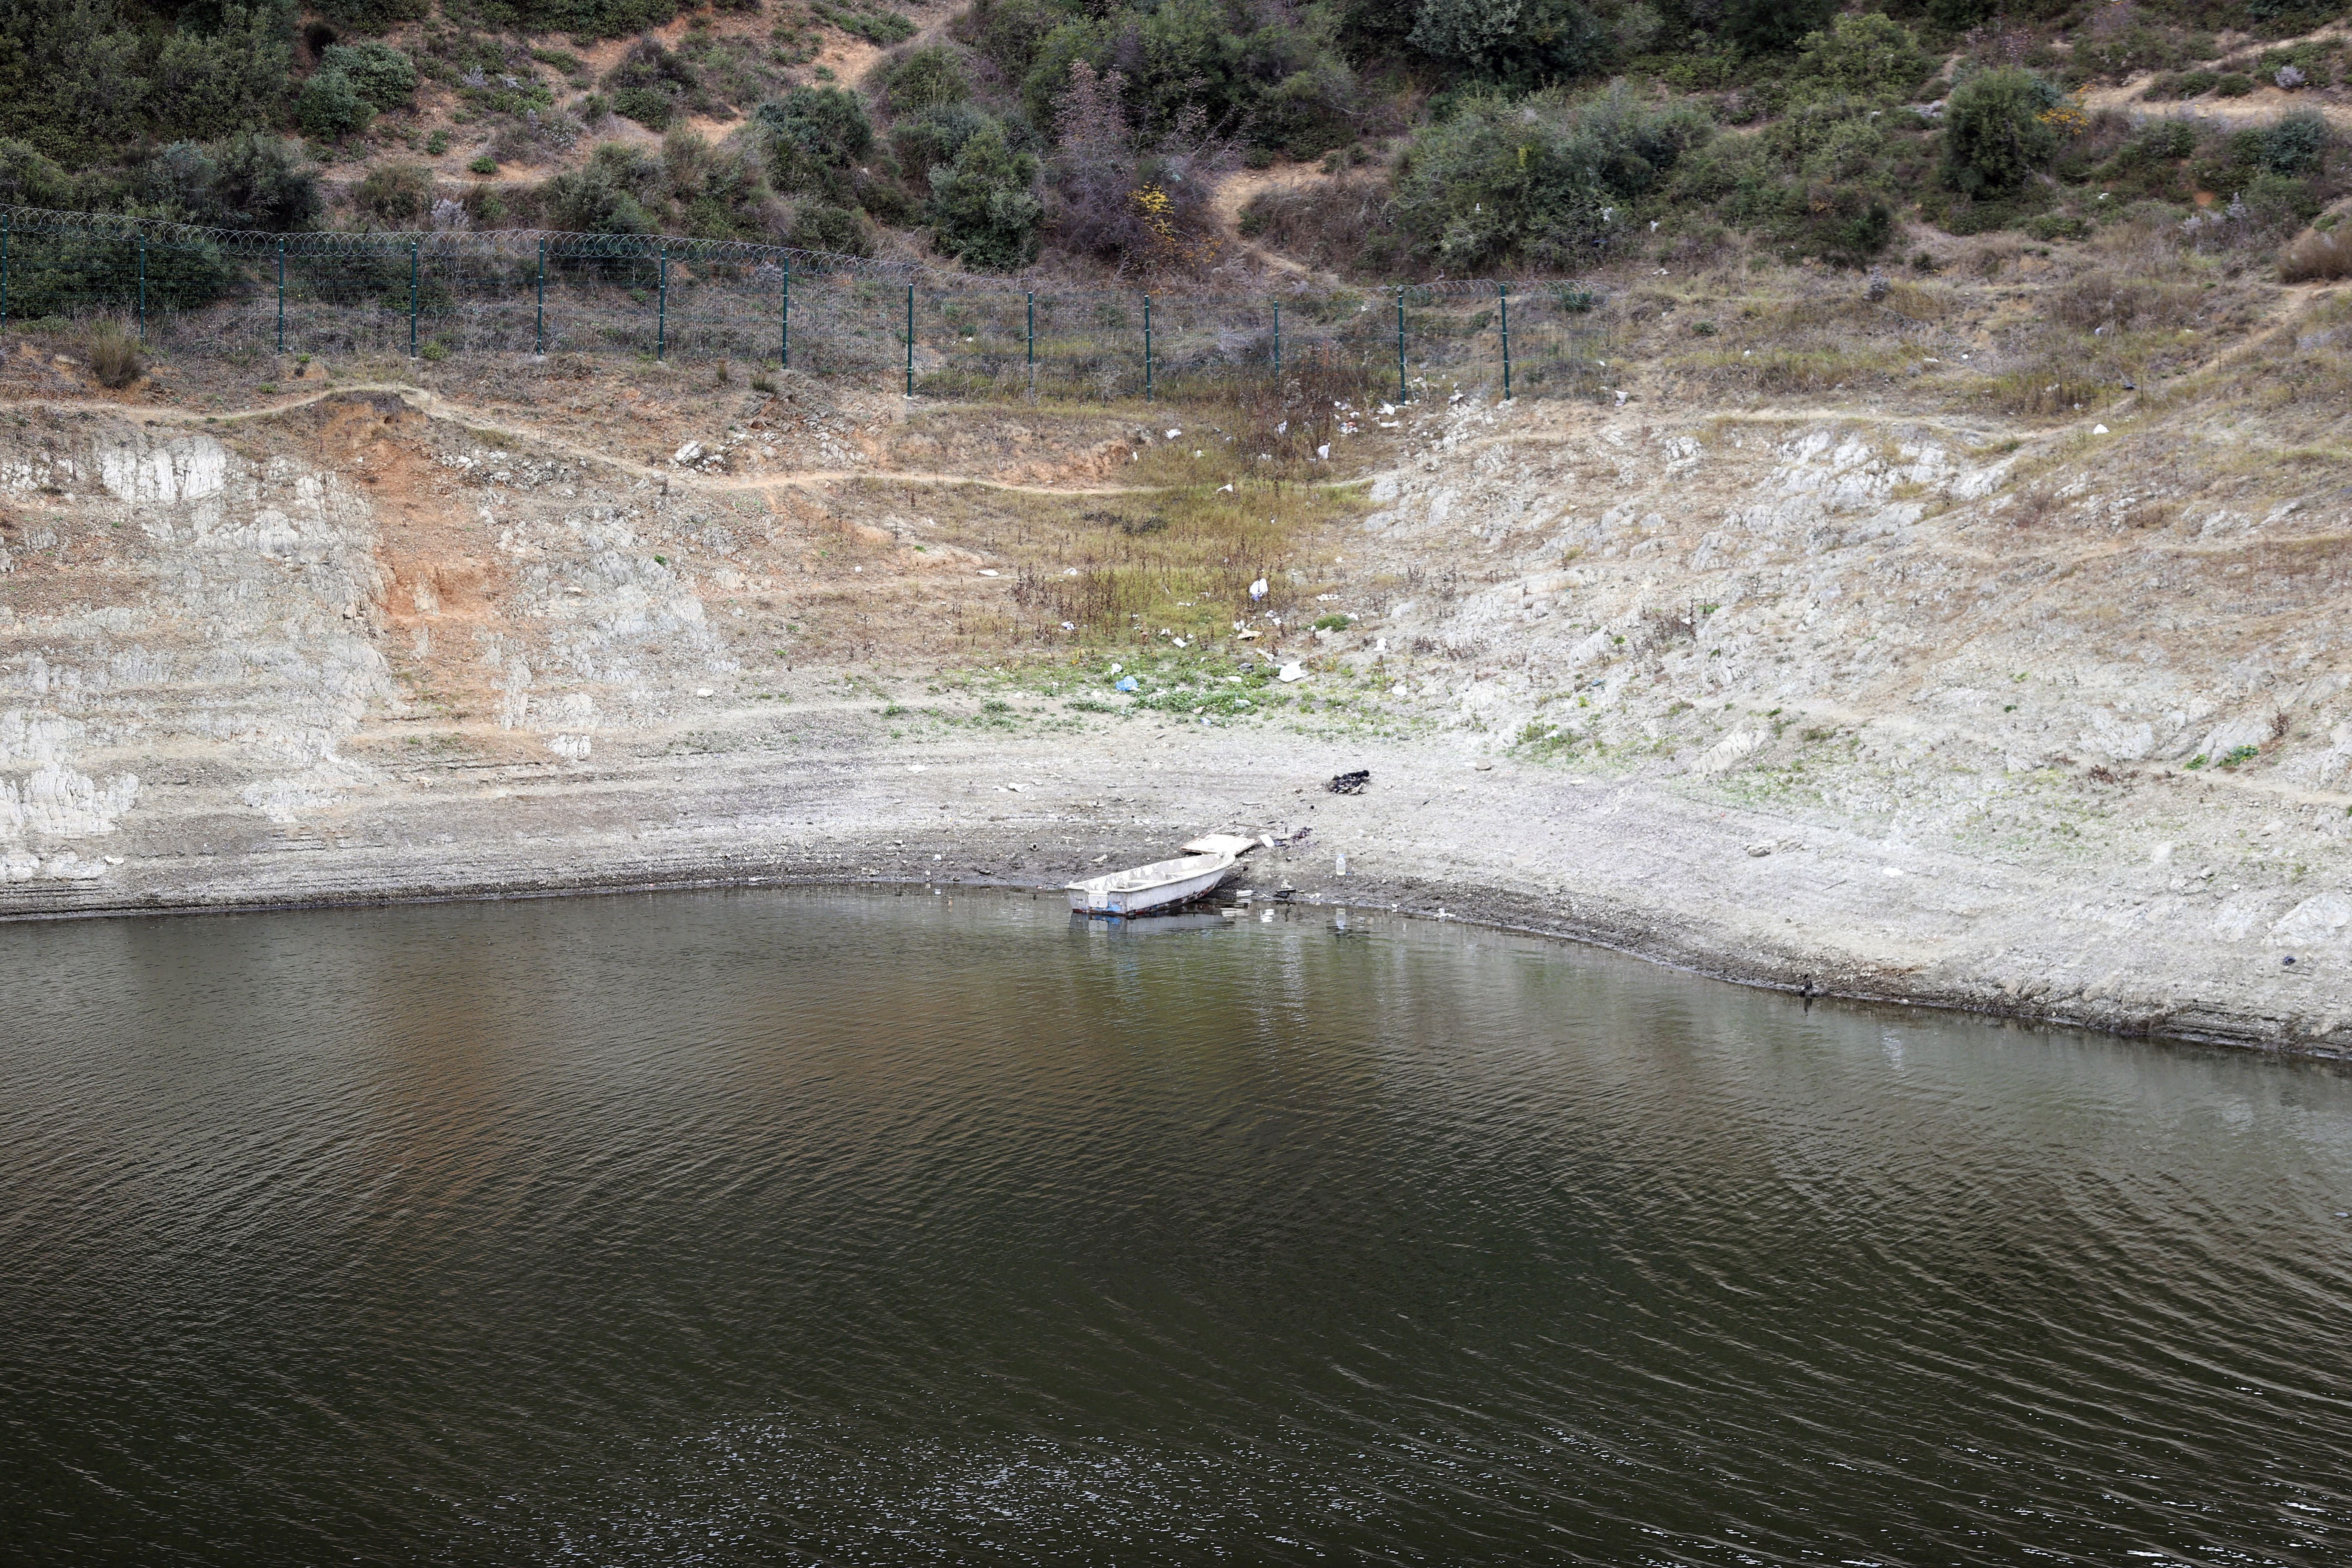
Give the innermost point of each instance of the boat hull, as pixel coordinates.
(1147, 887)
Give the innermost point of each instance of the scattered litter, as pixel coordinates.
(1339, 865)
(1224, 489)
(1387, 409)
(988, 572)
(1173, 433)
(1247, 637)
(1222, 844)
(1892, 870)
(914, 767)
(1484, 765)
(1759, 850)
(1350, 783)
(1125, 683)
(688, 453)
(703, 692)
(1179, 642)
(1323, 452)
(1291, 672)
(2098, 429)
(1114, 669)
(1257, 589)
(1069, 626)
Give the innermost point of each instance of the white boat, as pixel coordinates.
(1159, 886)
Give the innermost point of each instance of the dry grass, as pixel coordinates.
(2314, 256)
(2115, 302)
(114, 356)
(1340, 226)
(1801, 370)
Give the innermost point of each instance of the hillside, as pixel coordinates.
(1091, 144)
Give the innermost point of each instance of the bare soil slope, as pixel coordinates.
(1867, 695)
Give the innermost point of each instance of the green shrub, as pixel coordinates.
(648, 106)
(1863, 56)
(377, 15)
(75, 274)
(929, 78)
(1772, 26)
(261, 181)
(885, 199)
(1548, 179)
(1007, 32)
(212, 81)
(819, 225)
(2277, 203)
(384, 76)
(2296, 144)
(29, 179)
(2233, 84)
(395, 196)
(650, 84)
(605, 195)
(936, 135)
(827, 122)
(984, 209)
(878, 27)
(331, 107)
(1518, 42)
(2048, 227)
(483, 164)
(1998, 131)
(436, 144)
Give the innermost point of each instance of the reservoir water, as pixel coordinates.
(835, 1227)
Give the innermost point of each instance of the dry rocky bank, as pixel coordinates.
(2037, 721)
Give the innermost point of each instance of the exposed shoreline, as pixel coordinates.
(1620, 865)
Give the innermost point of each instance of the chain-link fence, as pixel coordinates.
(189, 291)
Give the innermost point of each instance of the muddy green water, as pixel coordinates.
(782, 1228)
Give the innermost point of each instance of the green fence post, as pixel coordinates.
(1502, 303)
(412, 298)
(785, 347)
(281, 296)
(910, 340)
(142, 287)
(1400, 388)
(5, 223)
(539, 310)
(661, 309)
(1146, 348)
(1033, 344)
(1277, 349)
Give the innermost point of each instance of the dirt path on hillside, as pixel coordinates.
(1235, 190)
